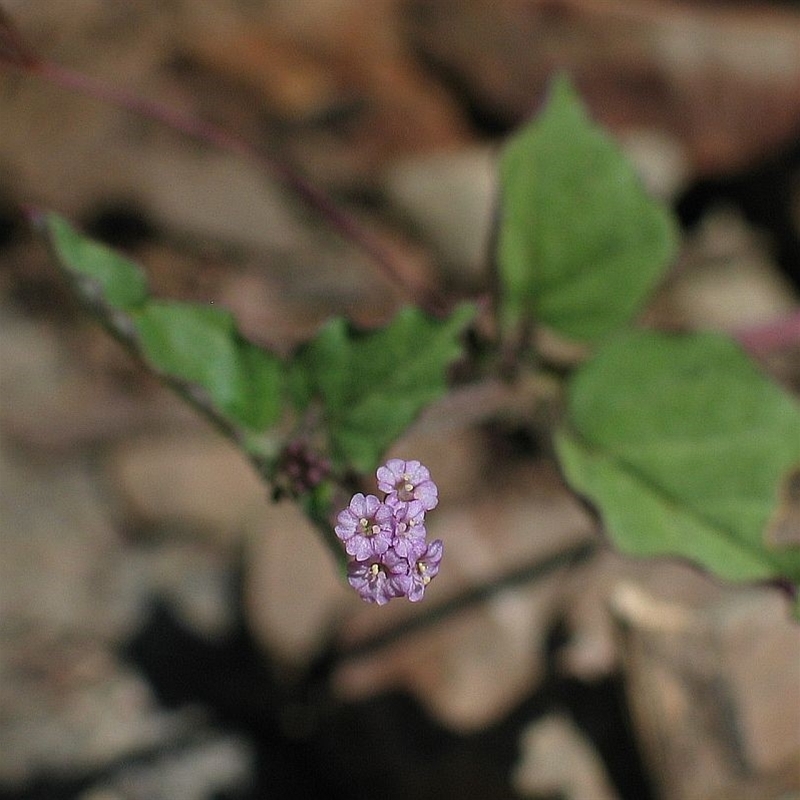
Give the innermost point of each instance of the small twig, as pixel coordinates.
(15, 53)
(345, 223)
(469, 598)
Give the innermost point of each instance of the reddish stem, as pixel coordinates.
(776, 335)
(344, 222)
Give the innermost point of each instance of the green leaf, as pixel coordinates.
(196, 344)
(200, 344)
(261, 401)
(373, 385)
(122, 283)
(580, 245)
(683, 444)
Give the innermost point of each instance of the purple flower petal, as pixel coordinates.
(425, 569)
(386, 540)
(409, 531)
(366, 527)
(377, 582)
(404, 481)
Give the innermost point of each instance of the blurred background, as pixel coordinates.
(168, 632)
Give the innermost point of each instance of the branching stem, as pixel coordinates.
(341, 220)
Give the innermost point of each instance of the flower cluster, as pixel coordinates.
(387, 540)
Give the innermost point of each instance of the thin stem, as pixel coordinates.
(776, 335)
(344, 222)
(528, 573)
(121, 328)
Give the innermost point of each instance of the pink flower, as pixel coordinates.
(387, 540)
(425, 569)
(366, 527)
(404, 481)
(377, 581)
(409, 532)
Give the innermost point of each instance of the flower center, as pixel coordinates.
(422, 568)
(405, 489)
(368, 529)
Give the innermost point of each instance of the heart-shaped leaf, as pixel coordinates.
(683, 445)
(581, 245)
